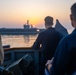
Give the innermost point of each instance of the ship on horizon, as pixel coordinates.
(27, 29)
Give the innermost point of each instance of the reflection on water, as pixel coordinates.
(26, 38)
(18, 40)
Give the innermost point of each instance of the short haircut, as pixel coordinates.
(73, 10)
(48, 20)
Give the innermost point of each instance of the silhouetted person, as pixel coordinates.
(48, 40)
(64, 61)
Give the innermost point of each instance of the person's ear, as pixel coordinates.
(71, 17)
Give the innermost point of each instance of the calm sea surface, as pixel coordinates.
(18, 40)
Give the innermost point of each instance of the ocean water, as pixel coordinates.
(18, 40)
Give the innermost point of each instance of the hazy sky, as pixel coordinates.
(15, 13)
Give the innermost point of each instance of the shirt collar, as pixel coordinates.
(50, 28)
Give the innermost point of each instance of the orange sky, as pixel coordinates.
(15, 13)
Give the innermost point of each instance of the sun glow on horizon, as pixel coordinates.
(15, 13)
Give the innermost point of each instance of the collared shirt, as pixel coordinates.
(65, 56)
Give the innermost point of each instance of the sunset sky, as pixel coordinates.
(15, 13)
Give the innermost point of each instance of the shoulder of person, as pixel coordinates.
(42, 32)
(64, 40)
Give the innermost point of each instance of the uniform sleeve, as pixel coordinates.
(37, 43)
(61, 59)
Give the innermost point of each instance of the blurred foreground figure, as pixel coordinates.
(64, 61)
(1, 52)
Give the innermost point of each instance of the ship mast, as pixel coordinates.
(27, 22)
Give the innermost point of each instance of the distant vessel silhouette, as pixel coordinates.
(28, 29)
